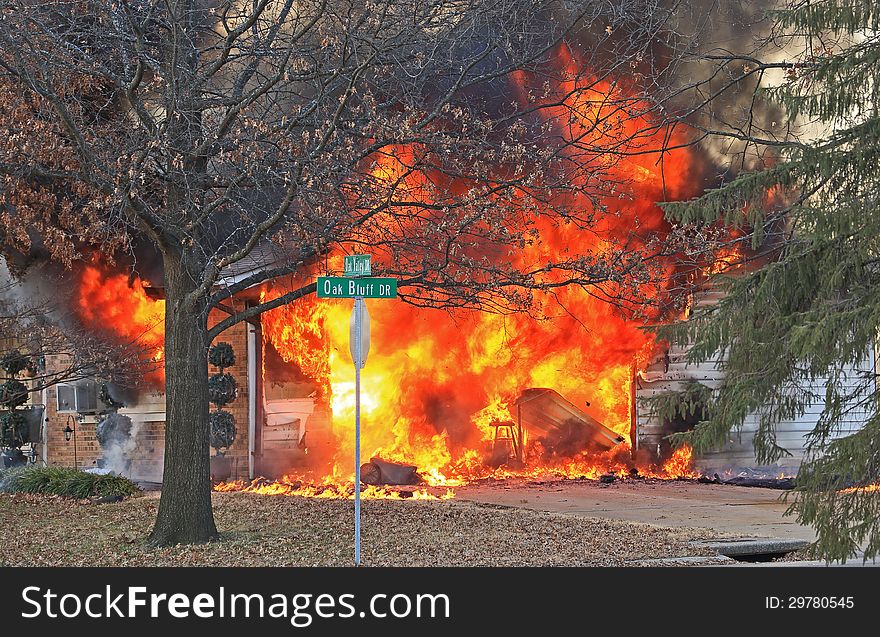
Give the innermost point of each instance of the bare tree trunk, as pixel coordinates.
(185, 514)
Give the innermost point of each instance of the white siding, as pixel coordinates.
(738, 454)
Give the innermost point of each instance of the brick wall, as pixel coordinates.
(147, 417)
(148, 456)
(85, 450)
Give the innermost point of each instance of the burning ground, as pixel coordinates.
(610, 466)
(295, 531)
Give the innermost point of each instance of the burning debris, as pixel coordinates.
(751, 478)
(607, 467)
(331, 490)
(560, 427)
(378, 471)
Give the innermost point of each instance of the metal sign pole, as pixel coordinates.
(356, 283)
(358, 318)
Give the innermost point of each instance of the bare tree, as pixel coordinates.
(35, 327)
(440, 133)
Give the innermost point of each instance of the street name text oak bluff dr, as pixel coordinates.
(332, 287)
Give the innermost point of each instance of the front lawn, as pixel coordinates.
(257, 530)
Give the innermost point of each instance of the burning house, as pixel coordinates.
(457, 395)
(446, 398)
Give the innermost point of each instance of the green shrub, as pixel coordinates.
(66, 482)
(7, 475)
(221, 355)
(13, 393)
(115, 485)
(14, 430)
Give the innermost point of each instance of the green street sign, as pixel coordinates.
(356, 265)
(337, 287)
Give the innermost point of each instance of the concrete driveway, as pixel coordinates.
(743, 511)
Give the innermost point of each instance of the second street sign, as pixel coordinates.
(337, 287)
(357, 265)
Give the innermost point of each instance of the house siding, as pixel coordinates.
(738, 453)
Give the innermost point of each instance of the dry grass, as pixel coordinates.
(37, 530)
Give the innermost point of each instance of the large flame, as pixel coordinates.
(111, 302)
(435, 383)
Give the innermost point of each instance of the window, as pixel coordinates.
(80, 397)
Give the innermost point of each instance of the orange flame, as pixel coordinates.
(434, 383)
(681, 464)
(330, 491)
(616, 463)
(868, 488)
(727, 258)
(110, 302)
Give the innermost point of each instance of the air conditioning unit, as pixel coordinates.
(80, 397)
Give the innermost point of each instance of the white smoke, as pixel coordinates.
(128, 450)
(117, 438)
(146, 454)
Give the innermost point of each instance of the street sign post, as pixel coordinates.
(357, 284)
(359, 347)
(359, 334)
